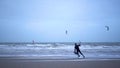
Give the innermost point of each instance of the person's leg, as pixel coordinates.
(81, 54)
(78, 53)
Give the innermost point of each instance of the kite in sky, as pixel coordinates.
(107, 28)
(66, 32)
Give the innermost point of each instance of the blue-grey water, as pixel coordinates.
(90, 50)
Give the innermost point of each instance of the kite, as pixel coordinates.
(107, 28)
(66, 32)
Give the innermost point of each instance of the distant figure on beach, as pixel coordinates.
(77, 50)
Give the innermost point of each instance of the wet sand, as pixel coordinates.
(59, 63)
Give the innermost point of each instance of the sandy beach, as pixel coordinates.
(59, 63)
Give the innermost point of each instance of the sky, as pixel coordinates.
(47, 20)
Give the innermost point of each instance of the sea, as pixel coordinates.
(97, 50)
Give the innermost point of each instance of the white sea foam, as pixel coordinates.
(56, 49)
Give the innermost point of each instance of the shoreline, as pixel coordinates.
(57, 58)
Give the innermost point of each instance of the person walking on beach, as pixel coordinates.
(77, 50)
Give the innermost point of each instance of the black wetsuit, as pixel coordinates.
(78, 50)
